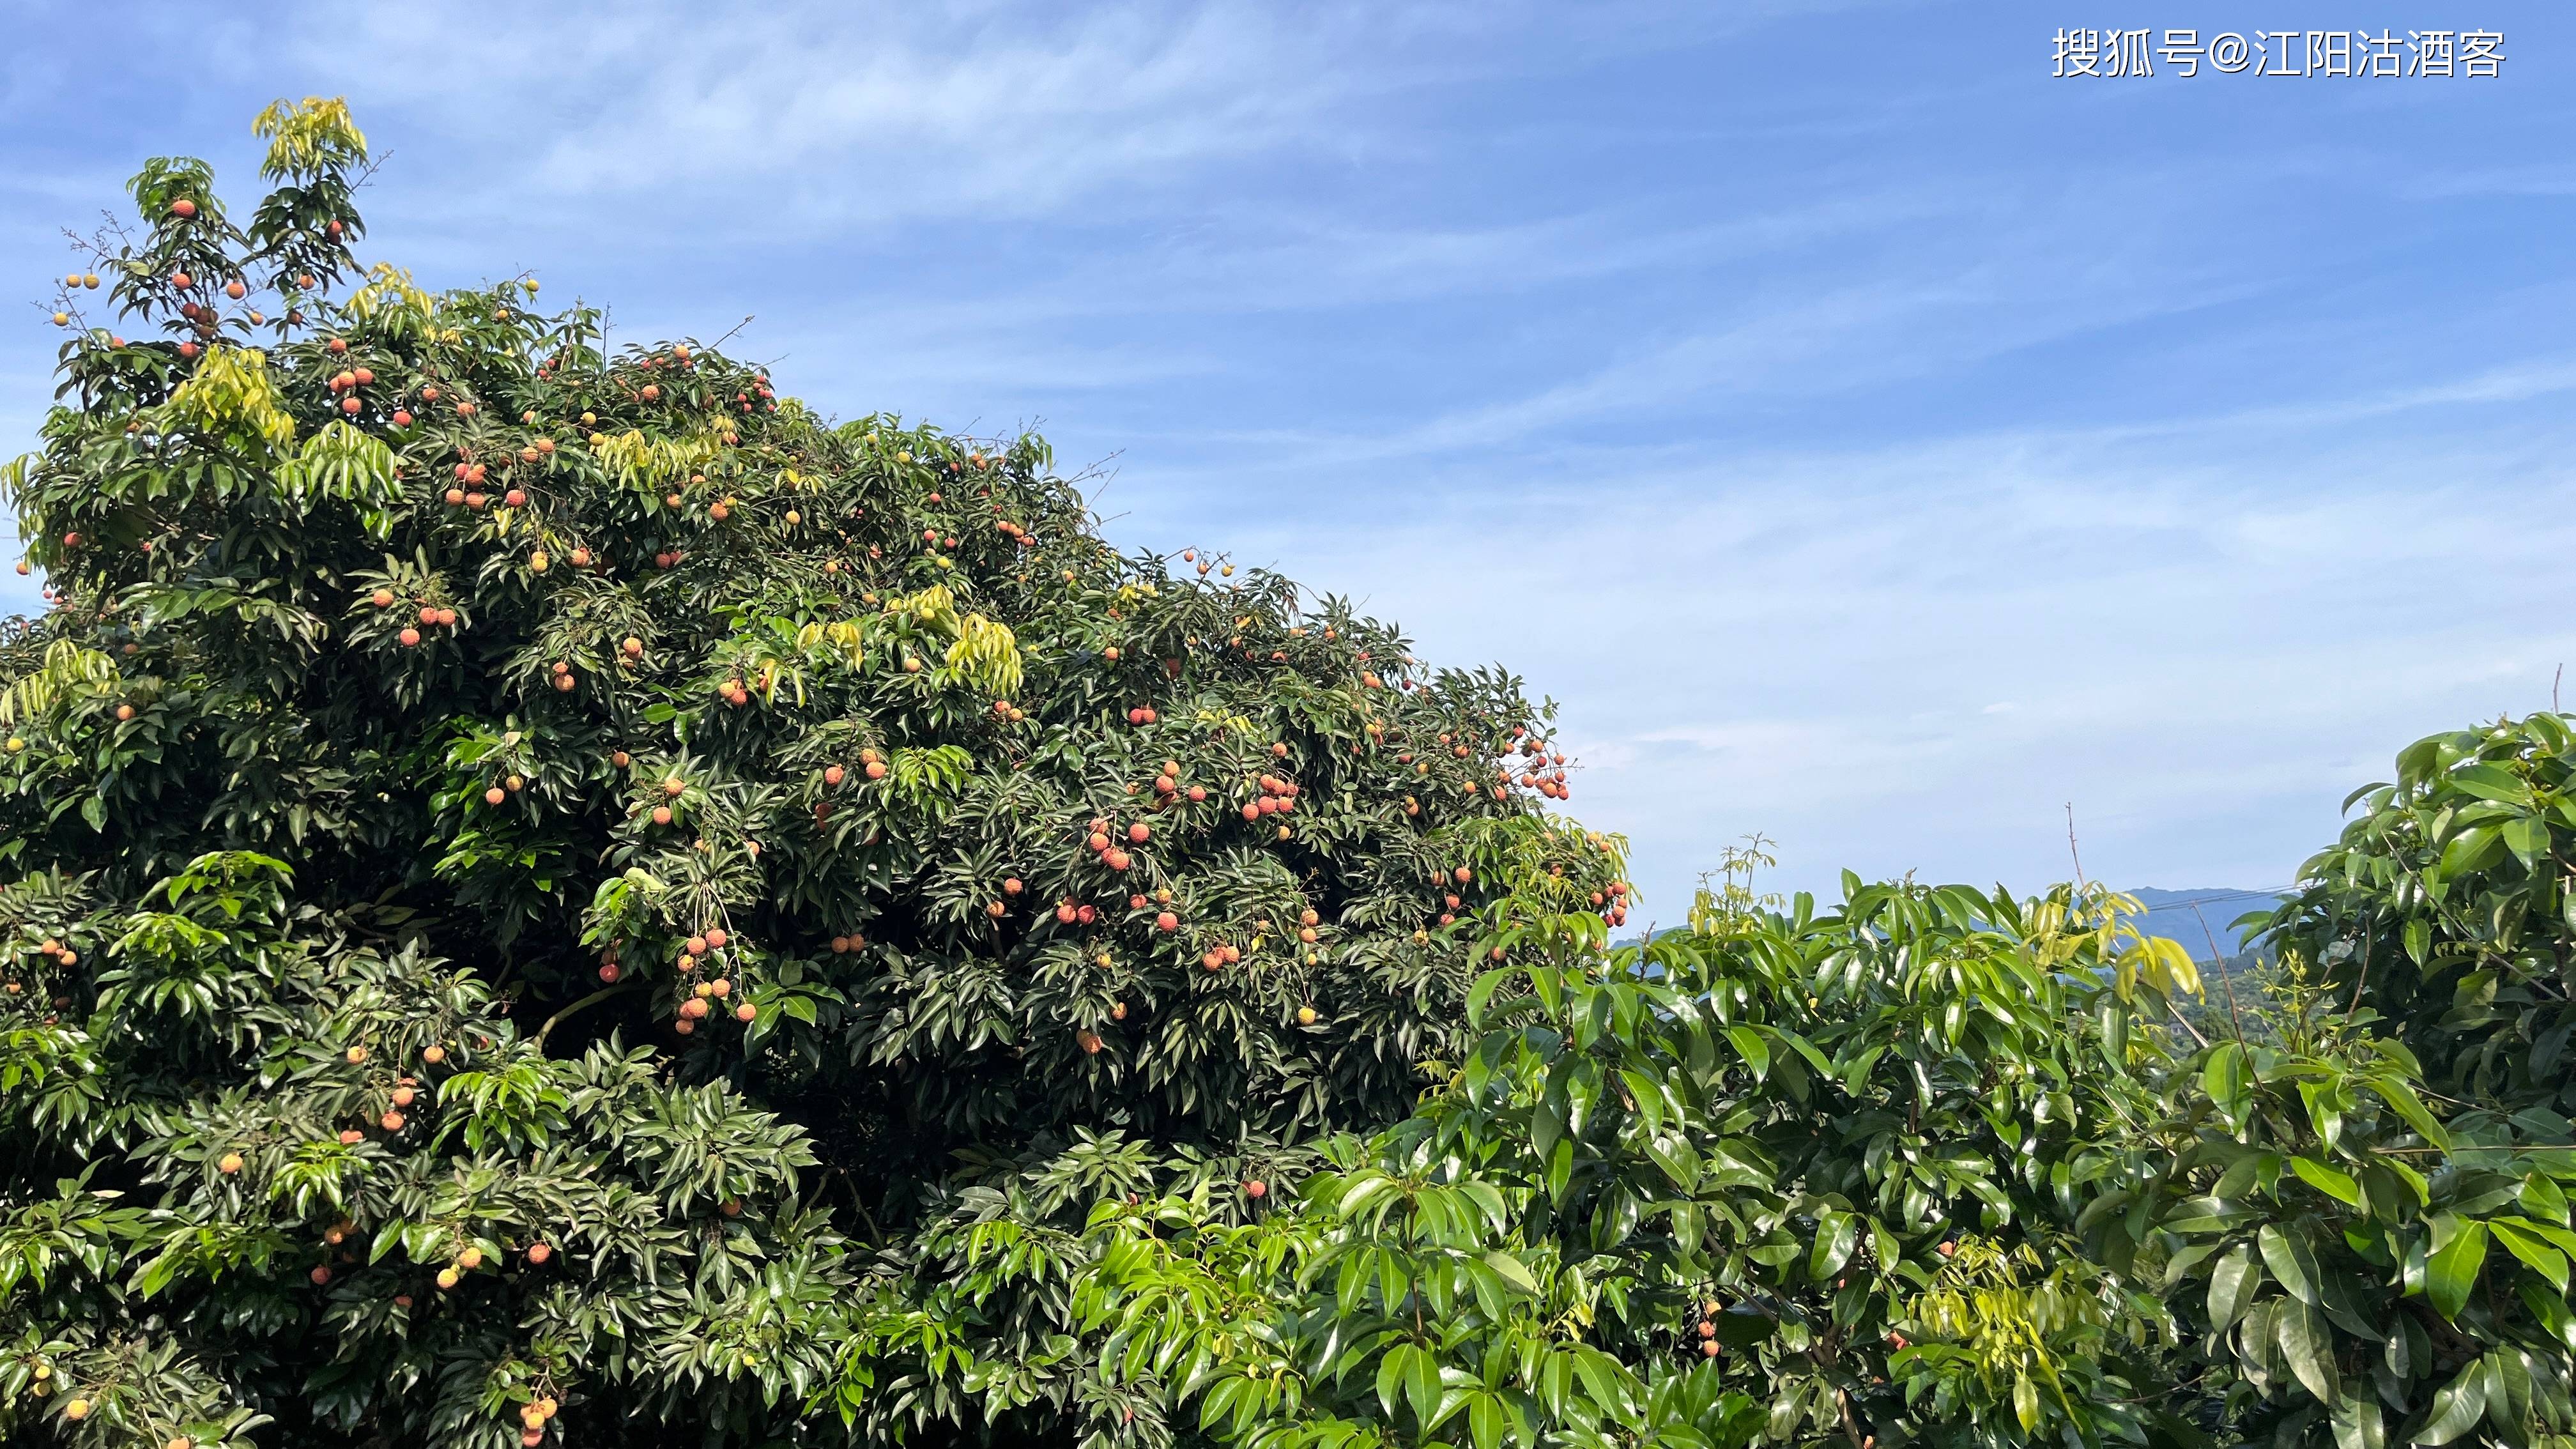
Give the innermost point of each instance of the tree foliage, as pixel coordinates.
(550, 879)
(1924, 1169)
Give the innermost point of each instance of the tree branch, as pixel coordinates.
(593, 999)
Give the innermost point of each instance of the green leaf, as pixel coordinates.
(2550, 1233)
(1511, 1270)
(2232, 1285)
(1804, 1048)
(2452, 1269)
(1603, 1377)
(2330, 1181)
(2357, 1424)
(2179, 1267)
(2229, 1085)
(2411, 1107)
(1390, 1377)
(1422, 1386)
(2491, 782)
(2527, 836)
(2543, 1259)
(1855, 1075)
(2309, 1346)
(2508, 1393)
(2456, 1406)
(1750, 1046)
(2470, 851)
(1671, 1151)
(1836, 1234)
(2207, 1215)
(2293, 1262)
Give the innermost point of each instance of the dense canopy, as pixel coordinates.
(571, 819)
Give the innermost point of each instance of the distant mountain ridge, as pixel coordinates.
(2180, 915)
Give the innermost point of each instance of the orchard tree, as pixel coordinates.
(1926, 1170)
(557, 894)
(2366, 1211)
(1798, 1177)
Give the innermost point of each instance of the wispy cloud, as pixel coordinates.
(871, 114)
(1914, 656)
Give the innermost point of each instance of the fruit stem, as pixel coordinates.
(593, 999)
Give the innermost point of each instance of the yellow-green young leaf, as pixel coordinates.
(231, 394)
(308, 137)
(986, 655)
(391, 302)
(68, 670)
(2330, 1181)
(2171, 968)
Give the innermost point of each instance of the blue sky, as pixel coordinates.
(1869, 439)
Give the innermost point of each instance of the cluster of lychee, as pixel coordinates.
(1454, 879)
(430, 616)
(534, 1415)
(871, 763)
(704, 990)
(1703, 1330)
(61, 955)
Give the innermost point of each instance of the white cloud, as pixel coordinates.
(735, 119)
(2210, 630)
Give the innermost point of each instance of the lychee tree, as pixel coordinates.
(1812, 1177)
(551, 880)
(1922, 1169)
